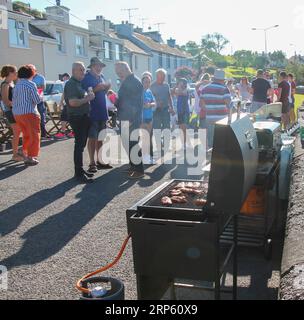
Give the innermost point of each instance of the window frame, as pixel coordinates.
(81, 54)
(107, 50)
(168, 61)
(62, 50)
(19, 28)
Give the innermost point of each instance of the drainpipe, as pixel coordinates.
(43, 55)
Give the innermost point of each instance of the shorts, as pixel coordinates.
(95, 128)
(147, 121)
(286, 108)
(10, 117)
(64, 114)
(183, 118)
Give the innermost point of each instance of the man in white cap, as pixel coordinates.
(215, 99)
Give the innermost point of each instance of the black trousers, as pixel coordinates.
(80, 126)
(132, 144)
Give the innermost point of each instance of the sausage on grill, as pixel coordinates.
(200, 202)
(166, 201)
(180, 200)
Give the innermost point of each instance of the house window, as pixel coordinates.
(59, 39)
(168, 62)
(175, 62)
(118, 52)
(80, 45)
(17, 33)
(160, 60)
(136, 62)
(107, 50)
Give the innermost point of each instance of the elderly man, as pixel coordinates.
(164, 104)
(78, 106)
(130, 106)
(98, 114)
(215, 100)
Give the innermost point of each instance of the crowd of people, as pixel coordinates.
(88, 101)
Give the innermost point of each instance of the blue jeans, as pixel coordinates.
(42, 111)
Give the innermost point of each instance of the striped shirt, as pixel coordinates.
(25, 98)
(215, 96)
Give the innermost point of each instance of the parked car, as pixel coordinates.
(300, 90)
(53, 92)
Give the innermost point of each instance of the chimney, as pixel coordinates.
(171, 43)
(154, 35)
(99, 24)
(58, 12)
(7, 3)
(138, 30)
(124, 29)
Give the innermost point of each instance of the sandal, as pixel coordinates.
(17, 158)
(92, 168)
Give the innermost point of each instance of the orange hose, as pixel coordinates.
(103, 269)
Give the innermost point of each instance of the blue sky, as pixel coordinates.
(189, 20)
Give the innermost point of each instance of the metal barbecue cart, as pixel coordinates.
(183, 241)
(259, 215)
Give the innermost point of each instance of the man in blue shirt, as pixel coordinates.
(98, 114)
(40, 82)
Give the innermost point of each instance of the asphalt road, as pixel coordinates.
(54, 231)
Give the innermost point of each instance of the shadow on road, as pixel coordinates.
(49, 237)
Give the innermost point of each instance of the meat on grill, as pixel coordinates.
(181, 199)
(176, 193)
(200, 202)
(166, 201)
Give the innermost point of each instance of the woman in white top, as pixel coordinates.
(244, 90)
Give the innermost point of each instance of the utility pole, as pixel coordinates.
(129, 12)
(265, 34)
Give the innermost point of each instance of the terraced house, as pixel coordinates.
(163, 55)
(52, 43)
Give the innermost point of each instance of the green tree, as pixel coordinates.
(278, 59)
(244, 58)
(215, 42)
(260, 61)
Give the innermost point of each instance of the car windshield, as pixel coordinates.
(52, 88)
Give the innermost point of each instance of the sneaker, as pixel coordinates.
(71, 135)
(103, 166)
(87, 174)
(60, 136)
(31, 162)
(82, 179)
(136, 175)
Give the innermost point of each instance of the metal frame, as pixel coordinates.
(255, 231)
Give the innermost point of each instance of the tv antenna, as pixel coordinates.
(143, 22)
(129, 12)
(158, 25)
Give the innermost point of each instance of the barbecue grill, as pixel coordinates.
(183, 241)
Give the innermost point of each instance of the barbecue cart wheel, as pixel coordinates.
(268, 249)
